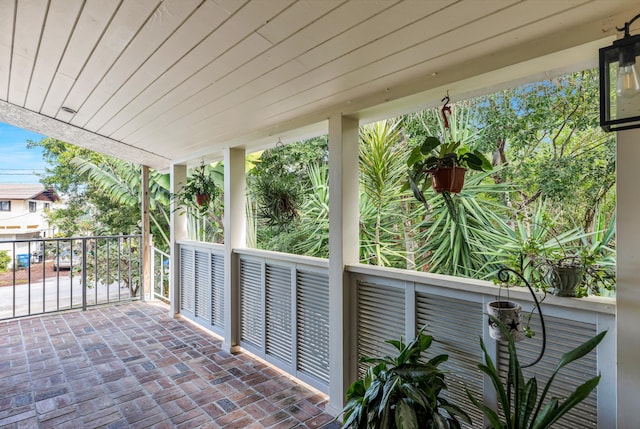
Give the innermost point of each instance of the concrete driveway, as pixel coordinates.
(54, 293)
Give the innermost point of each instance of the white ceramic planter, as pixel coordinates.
(510, 314)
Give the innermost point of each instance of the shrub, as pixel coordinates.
(4, 260)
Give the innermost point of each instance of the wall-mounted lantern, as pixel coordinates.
(620, 82)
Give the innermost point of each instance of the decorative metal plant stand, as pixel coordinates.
(503, 276)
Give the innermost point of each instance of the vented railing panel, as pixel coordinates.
(456, 326)
(285, 315)
(217, 290)
(284, 318)
(381, 316)
(313, 324)
(187, 280)
(455, 317)
(278, 312)
(203, 285)
(251, 302)
(563, 335)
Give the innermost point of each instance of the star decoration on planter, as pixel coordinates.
(513, 326)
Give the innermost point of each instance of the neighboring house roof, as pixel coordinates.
(9, 191)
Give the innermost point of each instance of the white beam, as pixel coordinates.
(50, 127)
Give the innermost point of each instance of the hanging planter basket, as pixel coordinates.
(203, 199)
(449, 179)
(510, 314)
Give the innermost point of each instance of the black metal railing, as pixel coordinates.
(56, 274)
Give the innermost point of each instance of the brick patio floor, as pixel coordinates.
(132, 366)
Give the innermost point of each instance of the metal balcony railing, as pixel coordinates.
(48, 275)
(160, 276)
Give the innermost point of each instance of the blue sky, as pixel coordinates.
(17, 163)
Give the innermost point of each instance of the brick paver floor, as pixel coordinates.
(133, 366)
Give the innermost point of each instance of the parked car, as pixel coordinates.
(63, 261)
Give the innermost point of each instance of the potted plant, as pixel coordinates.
(443, 163)
(279, 199)
(199, 190)
(509, 313)
(564, 274)
(572, 275)
(402, 392)
(278, 193)
(567, 263)
(521, 406)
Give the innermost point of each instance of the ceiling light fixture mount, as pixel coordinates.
(620, 82)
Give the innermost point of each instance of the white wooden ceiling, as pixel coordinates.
(153, 81)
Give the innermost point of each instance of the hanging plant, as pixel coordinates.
(442, 164)
(199, 191)
(278, 196)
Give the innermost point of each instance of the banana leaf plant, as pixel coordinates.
(521, 406)
(402, 392)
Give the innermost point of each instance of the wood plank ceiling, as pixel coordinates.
(153, 81)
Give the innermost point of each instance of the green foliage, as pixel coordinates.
(114, 260)
(453, 149)
(204, 221)
(277, 185)
(60, 173)
(113, 193)
(4, 260)
(534, 248)
(102, 194)
(456, 232)
(519, 401)
(199, 192)
(402, 392)
(547, 133)
(311, 237)
(279, 199)
(74, 219)
(382, 174)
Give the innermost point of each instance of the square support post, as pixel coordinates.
(343, 250)
(235, 227)
(146, 293)
(178, 232)
(628, 278)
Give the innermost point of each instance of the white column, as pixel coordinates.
(235, 227)
(145, 291)
(628, 278)
(177, 231)
(343, 250)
